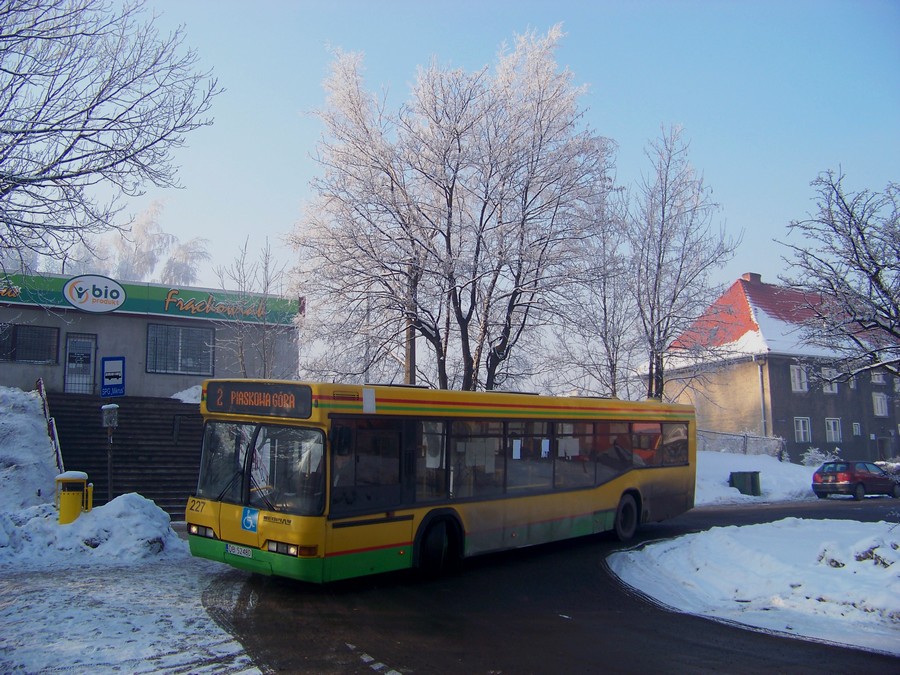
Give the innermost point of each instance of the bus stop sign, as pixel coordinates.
(113, 382)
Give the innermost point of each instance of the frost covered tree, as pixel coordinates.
(595, 332)
(449, 224)
(848, 264)
(139, 251)
(674, 248)
(252, 345)
(181, 266)
(93, 102)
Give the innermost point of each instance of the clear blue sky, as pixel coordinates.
(769, 92)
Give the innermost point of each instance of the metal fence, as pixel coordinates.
(740, 444)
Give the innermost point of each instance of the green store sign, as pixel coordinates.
(97, 294)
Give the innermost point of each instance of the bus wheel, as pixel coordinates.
(439, 550)
(626, 518)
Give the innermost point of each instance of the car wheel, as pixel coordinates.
(626, 518)
(859, 492)
(895, 493)
(822, 495)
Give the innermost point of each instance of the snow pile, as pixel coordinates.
(778, 481)
(834, 580)
(27, 461)
(190, 395)
(127, 530)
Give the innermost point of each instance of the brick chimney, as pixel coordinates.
(752, 277)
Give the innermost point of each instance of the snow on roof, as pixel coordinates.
(753, 318)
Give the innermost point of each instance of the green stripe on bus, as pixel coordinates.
(568, 413)
(348, 565)
(262, 562)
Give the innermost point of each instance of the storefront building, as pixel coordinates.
(94, 335)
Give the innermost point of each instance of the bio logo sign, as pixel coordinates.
(93, 293)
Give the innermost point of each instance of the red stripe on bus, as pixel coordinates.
(473, 404)
(368, 549)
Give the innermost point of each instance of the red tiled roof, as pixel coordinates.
(734, 313)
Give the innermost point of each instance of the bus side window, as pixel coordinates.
(431, 461)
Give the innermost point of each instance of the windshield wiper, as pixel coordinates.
(229, 484)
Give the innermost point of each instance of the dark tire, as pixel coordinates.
(859, 492)
(626, 518)
(439, 550)
(895, 493)
(822, 495)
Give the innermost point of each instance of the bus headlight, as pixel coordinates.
(292, 550)
(201, 531)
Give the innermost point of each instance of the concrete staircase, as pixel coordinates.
(155, 448)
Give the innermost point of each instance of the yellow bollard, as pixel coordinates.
(71, 493)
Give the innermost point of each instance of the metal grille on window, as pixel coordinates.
(34, 344)
(180, 350)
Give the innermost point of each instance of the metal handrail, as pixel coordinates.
(51, 426)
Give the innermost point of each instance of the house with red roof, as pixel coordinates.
(746, 368)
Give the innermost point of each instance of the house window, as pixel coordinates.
(180, 350)
(798, 379)
(801, 430)
(877, 377)
(832, 430)
(857, 429)
(829, 385)
(29, 344)
(852, 382)
(879, 402)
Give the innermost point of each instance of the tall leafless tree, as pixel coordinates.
(596, 328)
(93, 102)
(453, 218)
(674, 250)
(848, 265)
(253, 345)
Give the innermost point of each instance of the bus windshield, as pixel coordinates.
(267, 466)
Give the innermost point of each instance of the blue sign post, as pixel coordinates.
(113, 378)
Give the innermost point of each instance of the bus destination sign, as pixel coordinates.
(270, 399)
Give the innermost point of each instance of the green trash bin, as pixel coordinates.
(747, 482)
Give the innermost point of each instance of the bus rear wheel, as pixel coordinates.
(439, 549)
(626, 518)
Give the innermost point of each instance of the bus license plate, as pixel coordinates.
(242, 551)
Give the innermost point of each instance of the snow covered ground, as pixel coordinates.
(117, 590)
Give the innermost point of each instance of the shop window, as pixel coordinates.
(180, 350)
(29, 344)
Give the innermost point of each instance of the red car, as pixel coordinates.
(842, 477)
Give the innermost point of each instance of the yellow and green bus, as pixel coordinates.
(320, 482)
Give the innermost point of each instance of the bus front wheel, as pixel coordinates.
(626, 518)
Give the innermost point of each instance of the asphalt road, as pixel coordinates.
(550, 609)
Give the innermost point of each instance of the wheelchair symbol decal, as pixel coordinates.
(249, 518)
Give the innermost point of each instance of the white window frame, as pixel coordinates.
(828, 385)
(857, 429)
(802, 430)
(880, 404)
(799, 381)
(877, 377)
(832, 430)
